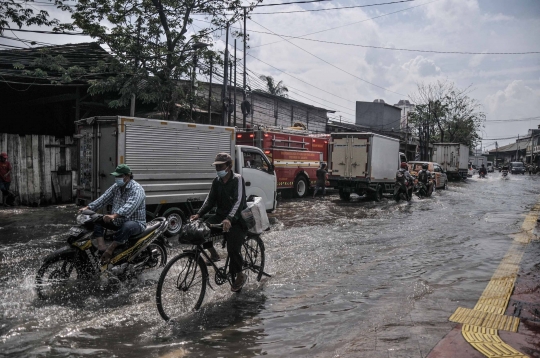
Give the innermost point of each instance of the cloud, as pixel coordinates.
(421, 66)
(516, 96)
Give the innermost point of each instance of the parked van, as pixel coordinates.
(490, 167)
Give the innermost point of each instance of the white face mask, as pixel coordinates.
(222, 173)
(119, 182)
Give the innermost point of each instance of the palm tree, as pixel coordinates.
(277, 89)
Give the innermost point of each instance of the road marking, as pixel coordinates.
(481, 323)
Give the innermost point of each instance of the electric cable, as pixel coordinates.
(329, 9)
(331, 64)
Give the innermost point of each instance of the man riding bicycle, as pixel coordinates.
(227, 194)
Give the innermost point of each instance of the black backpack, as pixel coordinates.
(422, 176)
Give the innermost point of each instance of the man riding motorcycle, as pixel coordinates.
(227, 194)
(482, 172)
(404, 177)
(424, 178)
(128, 213)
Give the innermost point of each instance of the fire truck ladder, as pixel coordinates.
(288, 143)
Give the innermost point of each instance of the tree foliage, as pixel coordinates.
(20, 14)
(445, 114)
(277, 89)
(151, 43)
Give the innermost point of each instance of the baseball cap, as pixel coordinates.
(222, 158)
(121, 170)
(4, 155)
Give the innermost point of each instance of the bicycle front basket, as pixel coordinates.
(194, 233)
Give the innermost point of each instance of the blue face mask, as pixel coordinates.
(119, 182)
(222, 173)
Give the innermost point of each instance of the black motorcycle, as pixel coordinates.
(424, 190)
(79, 260)
(403, 189)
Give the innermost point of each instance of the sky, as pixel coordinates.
(334, 76)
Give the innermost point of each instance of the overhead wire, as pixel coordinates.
(331, 64)
(329, 9)
(353, 23)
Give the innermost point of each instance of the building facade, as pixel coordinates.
(378, 115)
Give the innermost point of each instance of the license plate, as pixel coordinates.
(75, 230)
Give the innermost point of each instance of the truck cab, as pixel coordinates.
(258, 173)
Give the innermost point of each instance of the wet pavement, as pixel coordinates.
(350, 279)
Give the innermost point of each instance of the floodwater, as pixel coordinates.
(349, 279)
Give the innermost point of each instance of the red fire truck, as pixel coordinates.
(295, 156)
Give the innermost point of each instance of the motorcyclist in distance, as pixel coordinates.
(403, 176)
(424, 177)
(482, 171)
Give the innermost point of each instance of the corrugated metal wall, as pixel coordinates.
(44, 167)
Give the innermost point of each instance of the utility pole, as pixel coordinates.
(244, 125)
(225, 80)
(234, 100)
(229, 102)
(210, 93)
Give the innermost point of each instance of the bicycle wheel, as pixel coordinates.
(181, 286)
(56, 277)
(253, 255)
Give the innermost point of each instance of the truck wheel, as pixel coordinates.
(176, 218)
(344, 196)
(301, 187)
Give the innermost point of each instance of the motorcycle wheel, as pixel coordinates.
(158, 257)
(55, 277)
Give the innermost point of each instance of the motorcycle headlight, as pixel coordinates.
(81, 219)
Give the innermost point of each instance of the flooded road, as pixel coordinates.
(350, 279)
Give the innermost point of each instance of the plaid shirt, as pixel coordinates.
(128, 202)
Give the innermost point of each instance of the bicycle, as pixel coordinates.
(182, 283)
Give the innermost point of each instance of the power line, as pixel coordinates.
(329, 9)
(512, 120)
(356, 22)
(402, 49)
(331, 64)
(289, 3)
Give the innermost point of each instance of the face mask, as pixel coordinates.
(119, 182)
(222, 173)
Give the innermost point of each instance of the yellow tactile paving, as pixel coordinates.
(484, 319)
(480, 324)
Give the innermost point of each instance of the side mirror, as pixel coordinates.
(271, 169)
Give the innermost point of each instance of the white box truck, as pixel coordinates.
(171, 160)
(363, 163)
(453, 158)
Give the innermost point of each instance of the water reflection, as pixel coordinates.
(348, 277)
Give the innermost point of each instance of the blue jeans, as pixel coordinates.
(123, 232)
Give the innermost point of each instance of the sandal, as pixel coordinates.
(239, 282)
(106, 258)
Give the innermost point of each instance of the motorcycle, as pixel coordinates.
(482, 175)
(403, 189)
(423, 190)
(79, 261)
(504, 174)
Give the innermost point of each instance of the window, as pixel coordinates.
(437, 169)
(255, 160)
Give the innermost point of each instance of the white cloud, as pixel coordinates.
(421, 66)
(517, 98)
